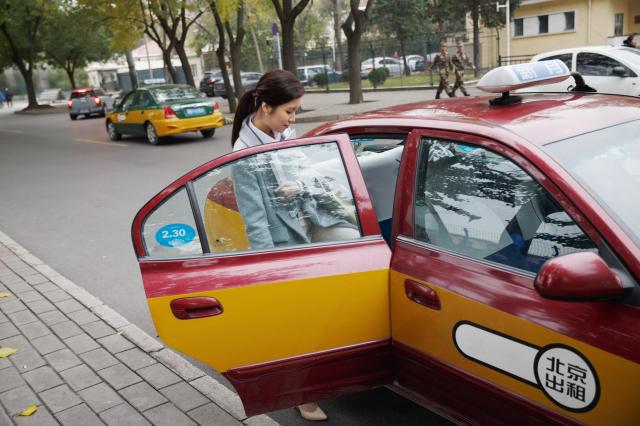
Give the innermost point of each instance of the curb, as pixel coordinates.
(207, 385)
(55, 109)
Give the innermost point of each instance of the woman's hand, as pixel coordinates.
(288, 189)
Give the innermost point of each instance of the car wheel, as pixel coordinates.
(73, 116)
(113, 133)
(207, 133)
(152, 135)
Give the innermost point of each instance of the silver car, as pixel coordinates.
(87, 102)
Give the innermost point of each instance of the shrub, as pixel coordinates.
(378, 76)
(345, 76)
(320, 79)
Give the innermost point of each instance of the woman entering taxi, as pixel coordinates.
(277, 190)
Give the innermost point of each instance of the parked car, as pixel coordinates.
(395, 66)
(307, 74)
(607, 69)
(412, 60)
(249, 82)
(509, 290)
(208, 80)
(86, 102)
(164, 110)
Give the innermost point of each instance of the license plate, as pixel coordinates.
(190, 112)
(84, 111)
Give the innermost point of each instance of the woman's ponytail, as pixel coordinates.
(246, 106)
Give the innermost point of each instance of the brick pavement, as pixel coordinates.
(81, 363)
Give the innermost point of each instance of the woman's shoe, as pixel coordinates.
(311, 411)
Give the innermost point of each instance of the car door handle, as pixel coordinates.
(421, 294)
(195, 307)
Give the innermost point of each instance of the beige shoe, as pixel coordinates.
(311, 411)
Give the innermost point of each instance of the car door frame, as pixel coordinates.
(469, 398)
(122, 126)
(279, 383)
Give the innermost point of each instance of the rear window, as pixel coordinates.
(82, 94)
(176, 93)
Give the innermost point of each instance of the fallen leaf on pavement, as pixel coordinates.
(4, 294)
(30, 410)
(5, 352)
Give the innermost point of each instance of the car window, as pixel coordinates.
(481, 205)
(170, 231)
(128, 100)
(83, 94)
(567, 58)
(595, 64)
(142, 99)
(243, 208)
(174, 93)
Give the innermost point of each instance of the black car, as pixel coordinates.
(249, 82)
(208, 80)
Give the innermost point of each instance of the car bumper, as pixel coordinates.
(80, 111)
(174, 126)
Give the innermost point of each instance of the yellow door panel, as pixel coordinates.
(432, 332)
(282, 320)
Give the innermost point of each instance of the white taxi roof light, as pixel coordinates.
(513, 77)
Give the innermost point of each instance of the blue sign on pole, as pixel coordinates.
(274, 29)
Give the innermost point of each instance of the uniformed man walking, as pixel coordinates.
(442, 64)
(460, 62)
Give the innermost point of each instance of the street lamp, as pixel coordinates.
(498, 7)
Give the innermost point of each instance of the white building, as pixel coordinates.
(114, 74)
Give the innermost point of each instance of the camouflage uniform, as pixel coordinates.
(460, 62)
(442, 64)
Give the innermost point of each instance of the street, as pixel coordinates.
(69, 196)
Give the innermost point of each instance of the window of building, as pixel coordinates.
(481, 205)
(518, 27)
(619, 24)
(544, 24)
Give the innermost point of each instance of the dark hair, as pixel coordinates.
(627, 41)
(275, 87)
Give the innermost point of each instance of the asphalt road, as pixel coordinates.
(68, 195)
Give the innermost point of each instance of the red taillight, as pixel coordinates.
(97, 100)
(69, 103)
(211, 80)
(169, 112)
(216, 107)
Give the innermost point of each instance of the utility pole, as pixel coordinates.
(276, 43)
(508, 26)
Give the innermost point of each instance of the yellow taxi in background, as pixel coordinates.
(163, 110)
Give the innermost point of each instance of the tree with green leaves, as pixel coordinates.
(85, 39)
(400, 19)
(353, 27)
(287, 14)
(22, 24)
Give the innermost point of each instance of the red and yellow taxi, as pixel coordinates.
(163, 110)
(505, 290)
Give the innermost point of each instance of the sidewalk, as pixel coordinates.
(81, 363)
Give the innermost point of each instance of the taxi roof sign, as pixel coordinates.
(512, 77)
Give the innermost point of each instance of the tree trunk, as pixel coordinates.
(72, 77)
(27, 74)
(166, 58)
(132, 70)
(288, 45)
(407, 69)
(235, 47)
(475, 17)
(258, 53)
(337, 33)
(235, 69)
(220, 55)
(355, 84)
(184, 60)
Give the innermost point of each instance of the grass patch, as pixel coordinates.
(419, 80)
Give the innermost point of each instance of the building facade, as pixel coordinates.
(543, 25)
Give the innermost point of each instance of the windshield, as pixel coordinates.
(630, 55)
(176, 93)
(607, 164)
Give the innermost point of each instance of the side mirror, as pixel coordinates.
(619, 71)
(578, 276)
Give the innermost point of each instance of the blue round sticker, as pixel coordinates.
(175, 235)
(466, 148)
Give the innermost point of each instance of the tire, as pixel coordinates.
(73, 117)
(112, 132)
(152, 135)
(208, 133)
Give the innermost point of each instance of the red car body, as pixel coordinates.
(447, 312)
